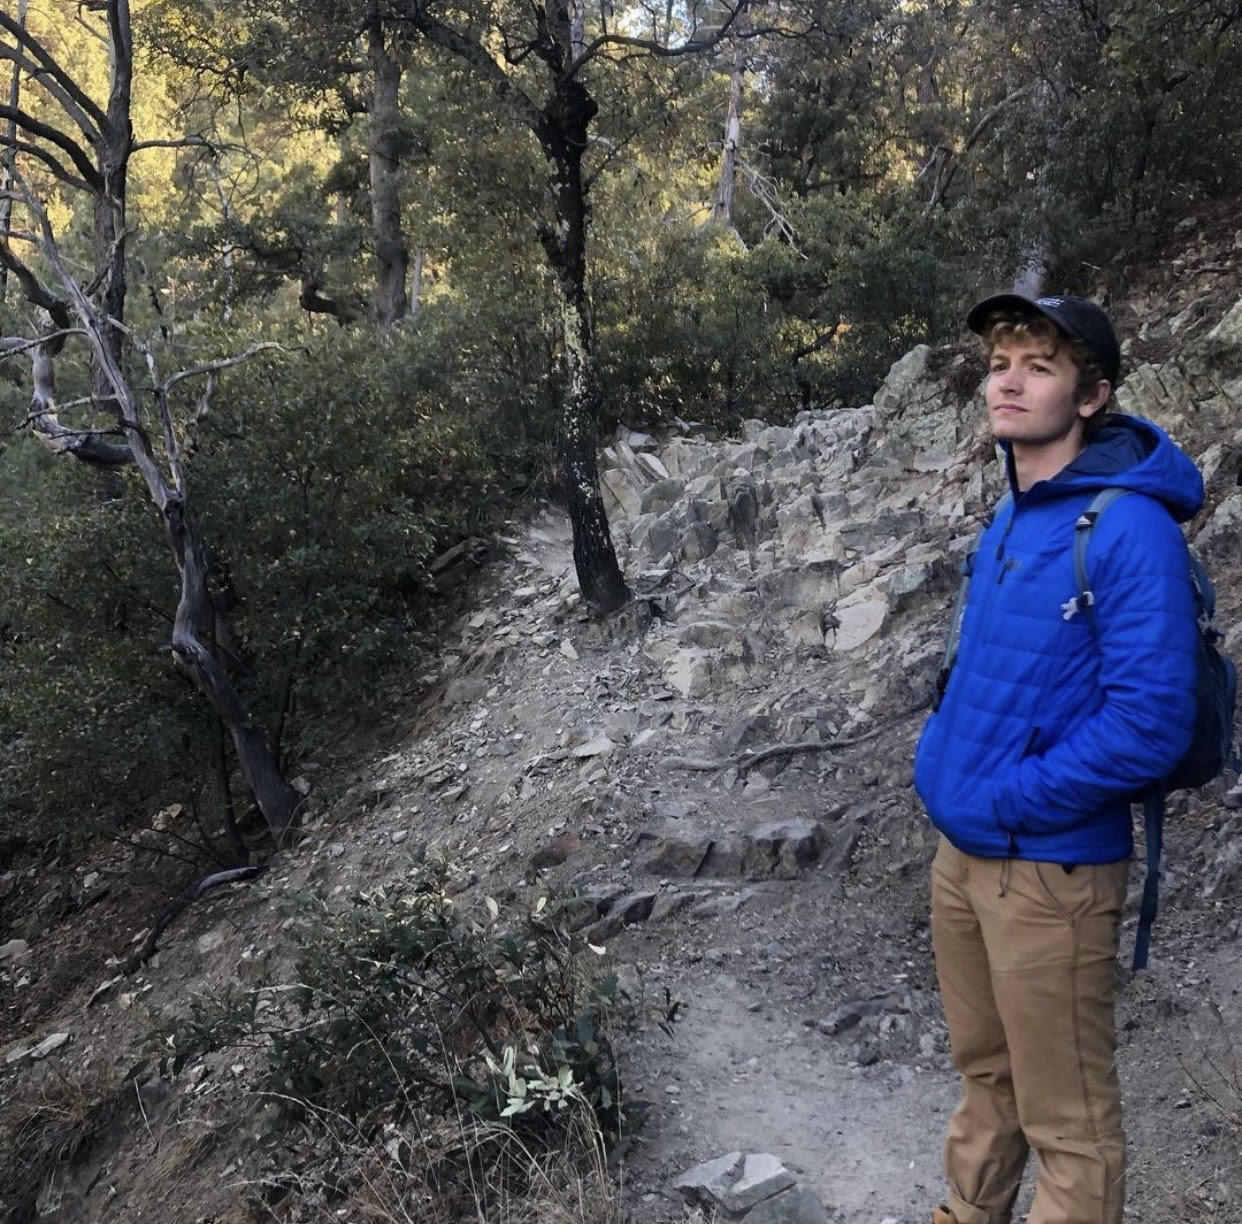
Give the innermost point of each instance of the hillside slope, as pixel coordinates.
(803, 575)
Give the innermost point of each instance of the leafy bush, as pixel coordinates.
(403, 1007)
(325, 481)
(94, 719)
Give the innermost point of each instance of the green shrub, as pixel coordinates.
(325, 481)
(403, 1007)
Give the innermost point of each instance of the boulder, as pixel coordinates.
(661, 496)
(1229, 330)
(761, 1177)
(783, 849)
(619, 493)
(797, 1205)
(15, 952)
(1225, 525)
(666, 850)
(689, 672)
(749, 1189)
(857, 622)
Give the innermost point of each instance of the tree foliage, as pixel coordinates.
(484, 234)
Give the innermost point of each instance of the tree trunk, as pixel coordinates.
(564, 140)
(416, 280)
(392, 257)
(192, 631)
(112, 152)
(10, 155)
(722, 210)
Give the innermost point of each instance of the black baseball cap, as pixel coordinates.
(1078, 318)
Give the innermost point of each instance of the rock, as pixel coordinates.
(755, 731)
(661, 496)
(761, 1177)
(700, 541)
(921, 423)
(858, 621)
(650, 465)
(807, 587)
(465, 690)
(751, 1189)
(49, 1045)
(797, 1205)
(808, 629)
(214, 940)
(700, 1186)
(669, 903)
(708, 634)
(905, 586)
(599, 745)
(1225, 525)
(667, 851)
(628, 910)
(1229, 330)
(782, 849)
(619, 493)
(103, 989)
(1222, 872)
(844, 842)
(689, 672)
(14, 952)
(556, 852)
(726, 856)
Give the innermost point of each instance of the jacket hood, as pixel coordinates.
(1131, 453)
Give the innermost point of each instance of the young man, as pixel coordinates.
(1052, 718)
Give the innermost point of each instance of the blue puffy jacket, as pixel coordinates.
(1049, 726)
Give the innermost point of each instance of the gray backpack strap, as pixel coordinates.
(1082, 537)
(959, 602)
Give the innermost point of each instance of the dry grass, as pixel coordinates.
(450, 1172)
(46, 1130)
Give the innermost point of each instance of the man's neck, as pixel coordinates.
(1031, 464)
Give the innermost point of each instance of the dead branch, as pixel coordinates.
(744, 762)
(214, 367)
(146, 949)
(763, 188)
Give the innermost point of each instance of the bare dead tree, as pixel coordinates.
(90, 154)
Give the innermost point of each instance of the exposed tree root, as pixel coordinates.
(744, 762)
(146, 949)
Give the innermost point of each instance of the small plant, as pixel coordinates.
(405, 1008)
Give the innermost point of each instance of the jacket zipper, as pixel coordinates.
(984, 609)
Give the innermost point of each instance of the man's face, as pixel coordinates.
(1032, 396)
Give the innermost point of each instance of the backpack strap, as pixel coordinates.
(1152, 800)
(1153, 829)
(959, 602)
(1082, 537)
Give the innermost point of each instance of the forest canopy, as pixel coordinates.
(296, 297)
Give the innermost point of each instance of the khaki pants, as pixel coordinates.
(1025, 955)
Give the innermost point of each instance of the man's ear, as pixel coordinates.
(1096, 400)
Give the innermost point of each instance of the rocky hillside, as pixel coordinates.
(728, 781)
